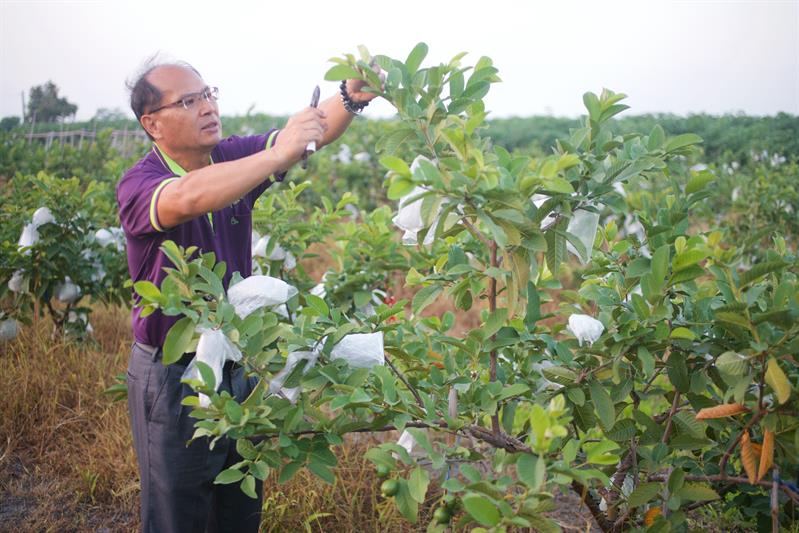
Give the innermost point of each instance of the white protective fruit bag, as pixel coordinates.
(278, 252)
(583, 225)
(586, 328)
(30, 233)
(360, 350)
(256, 292)
(8, 329)
(67, 291)
(15, 283)
(409, 213)
(293, 359)
(213, 349)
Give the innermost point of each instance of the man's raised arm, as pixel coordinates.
(216, 186)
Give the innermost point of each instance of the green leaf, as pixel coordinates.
(732, 318)
(678, 372)
(531, 471)
(207, 375)
(687, 274)
(513, 390)
(558, 185)
(417, 484)
(556, 249)
(322, 471)
(643, 493)
(603, 405)
(732, 363)
(622, 431)
(697, 492)
(148, 291)
(288, 471)
(682, 333)
(495, 320)
(676, 480)
(647, 360)
(681, 141)
(592, 105)
(599, 453)
(698, 181)
(533, 312)
(481, 509)
(415, 58)
(341, 72)
(177, 340)
(656, 137)
(688, 423)
(248, 486)
(405, 503)
(361, 298)
(390, 143)
(761, 269)
(686, 259)
(425, 297)
(317, 304)
(399, 187)
(396, 164)
(231, 475)
(559, 375)
(660, 263)
(778, 381)
(233, 411)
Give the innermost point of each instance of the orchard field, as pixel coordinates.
(531, 324)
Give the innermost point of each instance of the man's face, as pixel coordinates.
(195, 128)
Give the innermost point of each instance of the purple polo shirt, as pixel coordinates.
(226, 232)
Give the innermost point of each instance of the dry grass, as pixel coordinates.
(67, 461)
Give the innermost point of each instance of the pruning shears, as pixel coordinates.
(311, 147)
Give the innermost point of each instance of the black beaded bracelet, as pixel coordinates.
(353, 107)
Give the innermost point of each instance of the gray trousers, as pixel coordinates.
(177, 490)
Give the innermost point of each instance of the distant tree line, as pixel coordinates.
(737, 136)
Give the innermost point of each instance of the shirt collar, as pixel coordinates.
(170, 163)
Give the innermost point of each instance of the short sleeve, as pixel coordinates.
(238, 147)
(138, 197)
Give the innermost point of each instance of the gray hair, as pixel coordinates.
(143, 94)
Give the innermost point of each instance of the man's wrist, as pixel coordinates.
(350, 105)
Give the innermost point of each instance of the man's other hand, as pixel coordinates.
(309, 125)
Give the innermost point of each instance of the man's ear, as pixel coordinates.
(151, 126)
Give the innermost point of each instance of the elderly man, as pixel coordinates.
(198, 189)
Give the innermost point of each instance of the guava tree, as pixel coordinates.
(59, 251)
(673, 386)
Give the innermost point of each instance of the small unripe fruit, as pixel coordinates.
(442, 516)
(383, 470)
(389, 488)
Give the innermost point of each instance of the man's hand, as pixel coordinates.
(355, 87)
(309, 125)
(356, 92)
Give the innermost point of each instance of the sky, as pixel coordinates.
(670, 56)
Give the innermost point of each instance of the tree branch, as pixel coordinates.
(476, 232)
(593, 506)
(406, 382)
(492, 306)
(734, 443)
(667, 432)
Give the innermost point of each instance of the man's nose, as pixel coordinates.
(208, 106)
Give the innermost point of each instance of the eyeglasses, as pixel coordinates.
(209, 94)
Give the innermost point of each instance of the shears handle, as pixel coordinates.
(311, 147)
